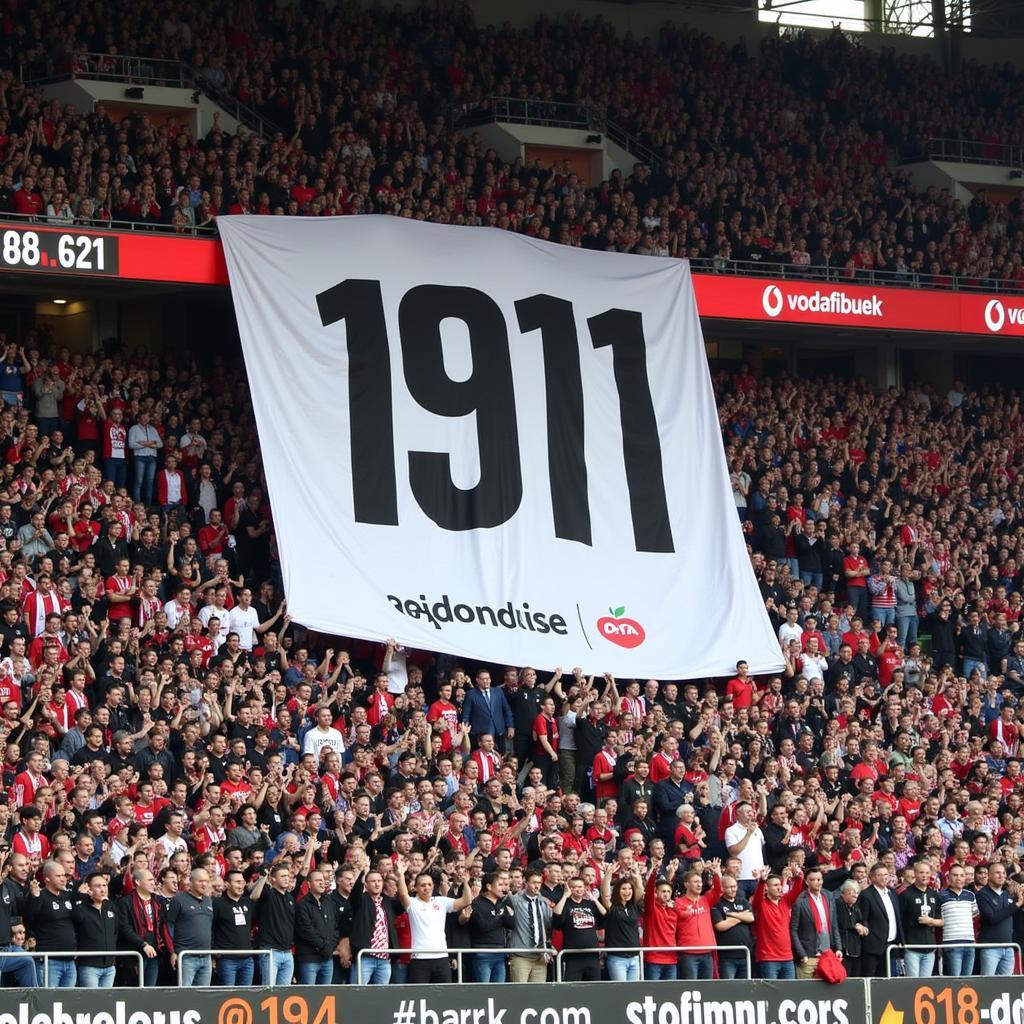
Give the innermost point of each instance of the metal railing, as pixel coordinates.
(843, 276)
(114, 67)
(533, 111)
(632, 145)
(267, 982)
(530, 110)
(136, 70)
(946, 946)
(233, 107)
(75, 954)
(94, 224)
(438, 954)
(644, 950)
(461, 952)
(972, 151)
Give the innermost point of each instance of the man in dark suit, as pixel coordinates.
(487, 711)
(812, 926)
(880, 914)
(370, 927)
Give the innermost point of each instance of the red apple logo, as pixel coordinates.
(623, 632)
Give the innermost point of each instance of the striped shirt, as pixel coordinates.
(958, 911)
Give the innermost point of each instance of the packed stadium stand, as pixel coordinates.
(178, 751)
(782, 155)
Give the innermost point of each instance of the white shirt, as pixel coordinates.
(172, 846)
(175, 613)
(174, 495)
(398, 672)
(208, 611)
(316, 739)
(426, 925)
(752, 855)
(890, 911)
(244, 621)
(811, 666)
(788, 632)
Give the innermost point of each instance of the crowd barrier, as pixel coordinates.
(195, 954)
(975, 1000)
(936, 947)
(459, 955)
(43, 959)
(634, 951)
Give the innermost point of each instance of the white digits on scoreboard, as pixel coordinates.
(489, 393)
(21, 249)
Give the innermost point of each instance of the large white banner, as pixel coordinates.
(495, 447)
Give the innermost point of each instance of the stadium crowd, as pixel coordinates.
(185, 769)
(786, 155)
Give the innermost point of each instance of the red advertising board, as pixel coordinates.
(177, 259)
(839, 305)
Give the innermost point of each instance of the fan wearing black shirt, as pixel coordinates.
(317, 931)
(489, 924)
(622, 902)
(579, 919)
(275, 905)
(919, 910)
(232, 929)
(49, 914)
(732, 917)
(11, 625)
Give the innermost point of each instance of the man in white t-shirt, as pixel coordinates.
(323, 734)
(396, 667)
(745, 840)
(218, 610)
(244, 620)
(427, 914)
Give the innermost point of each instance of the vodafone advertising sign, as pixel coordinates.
(833, 304)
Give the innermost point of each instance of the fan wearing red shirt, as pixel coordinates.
(574, 839)
(124, 817)
(872, 767)
(27, 783)
(856, 571)
(214, 536)
(380, 702)
(85, 531)
(890, 658)
(236, 781)
(1005, 730)
(962, 764)
(10, 691)
(29, 840)
(661, 763)
(197, 640)
(145, 808)
(772, 912)
(694, 927)
(910, 803)
(605, 786)
(545, 742)
(741, 688)
(121, 592)
(811, 629)
(443, 708)
(688, 836)
(115, 443)
(28, 200)
(660, 918)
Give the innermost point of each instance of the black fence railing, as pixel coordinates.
(717, 265)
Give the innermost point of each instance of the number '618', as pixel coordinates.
(489, 393)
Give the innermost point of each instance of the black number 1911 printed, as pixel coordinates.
(489, 393)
